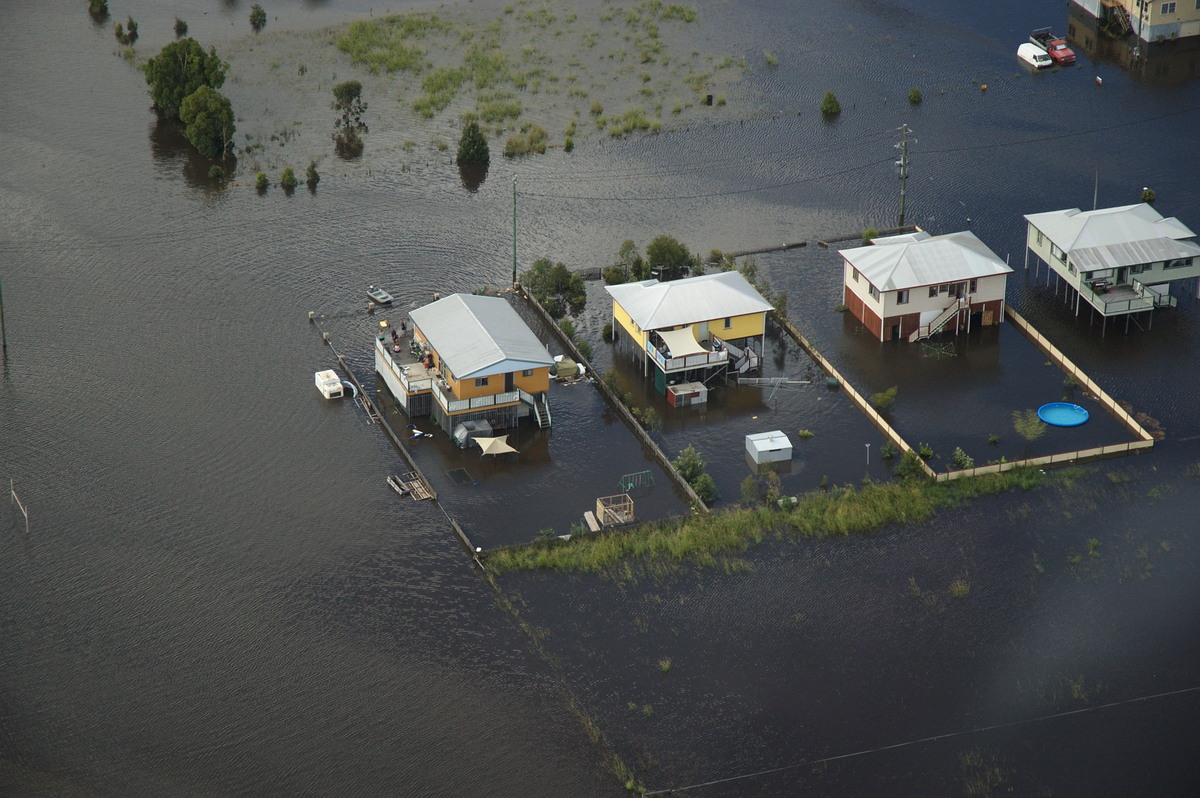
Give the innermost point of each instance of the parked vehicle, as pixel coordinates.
(1054, 46)
(1033, 55)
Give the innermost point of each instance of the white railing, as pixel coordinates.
(452, 405)
(926, 330)
(698, 360)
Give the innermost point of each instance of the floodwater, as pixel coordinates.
(217, 594)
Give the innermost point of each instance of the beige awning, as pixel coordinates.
(498, 445)
(681, 342)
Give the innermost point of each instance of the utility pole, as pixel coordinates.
(514, 181)
(902, 164)
(3, 330)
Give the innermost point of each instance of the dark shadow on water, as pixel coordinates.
(472, 175)
(173, 153)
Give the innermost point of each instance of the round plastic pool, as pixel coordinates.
(1062, 414)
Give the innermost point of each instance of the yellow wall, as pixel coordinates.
(539, 382)
(625, 321)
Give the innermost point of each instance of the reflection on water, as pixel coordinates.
(1167, 63)
(174, 154)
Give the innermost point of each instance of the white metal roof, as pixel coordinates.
(653, 305)
(1112, 237)
(912, 260)
(479, 335)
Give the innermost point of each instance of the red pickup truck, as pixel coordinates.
(1054, 46)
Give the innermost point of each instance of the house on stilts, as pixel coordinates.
(691, 330)
(472, 360)
(1120, 262)
(916, 285)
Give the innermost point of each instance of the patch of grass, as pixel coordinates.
(707, 540)
(500, 108)
(960, 587)
(804, 434)
(664, 664)
(439, 86)
(771, 59)
(383, 45)
(529, 141)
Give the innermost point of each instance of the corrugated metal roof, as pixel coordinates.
(908, 261)
(479, 335)
(653, 305)
(1111, 237)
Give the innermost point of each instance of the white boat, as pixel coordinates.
(379, 296)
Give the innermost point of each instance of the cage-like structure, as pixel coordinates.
(614, 510)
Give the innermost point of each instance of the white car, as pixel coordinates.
(1033, 55)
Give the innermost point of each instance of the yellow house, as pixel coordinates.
(476, 360)
(691, 329)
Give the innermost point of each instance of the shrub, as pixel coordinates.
(804, 434)
(914, 96)
(888, 450)
(910, 467)
(258, 17)
(261, 182)
(1148, 196)
(607, 332)
(311, 177)
(288, 180)
(528, 141)
(961, 459)
(959, 588)
(869, 234)
(216, 173)
(830, 105)
(585, 348)
(98, 8)
(180, 28)
(885, 399)
(597, 108)
(568, 328)
(568, 144)
(772, 60)
(924, 450)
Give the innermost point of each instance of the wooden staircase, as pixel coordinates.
(541, 411)
(1120, 20)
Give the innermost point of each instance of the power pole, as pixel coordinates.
(902, 165)
(3, 329)
(514, 282)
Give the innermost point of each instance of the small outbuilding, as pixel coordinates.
(769, 447)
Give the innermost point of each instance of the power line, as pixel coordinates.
(948, 735)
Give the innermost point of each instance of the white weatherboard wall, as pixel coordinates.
(769, 447)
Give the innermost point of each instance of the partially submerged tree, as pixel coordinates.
(208, 116)
(180, 69)
(258, 17)
(670, 259)
(629, 265)
(830, 105)
(472, 145)
(691, 467)
(348, 102)
(559, 290)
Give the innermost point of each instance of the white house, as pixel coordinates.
(1120, 261)
(916, 284)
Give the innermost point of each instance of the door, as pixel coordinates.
(508, 382)
(702, 332)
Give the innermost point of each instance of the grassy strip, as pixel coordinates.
(702, 540)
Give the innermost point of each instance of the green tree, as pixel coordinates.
(473, 146)
(348, 102)
(669, 259)
(869, 234)
(559, 290)
(180, 28)
(629, 265)
(830, 104)
(258, 17)
(884, 399)
(180, 69)
(914, 96)
(208, 116)
(287, 180)
(312, 178)
(691, 467)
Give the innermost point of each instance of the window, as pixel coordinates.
(974, 286)
(527, 373)
(902, 297)
(480, 382)
(856, 270)
(728, 322)
(874, 292)
(1167, 8)
(1178, 264)
(1039, 232)
(944, 289)
(933, 291)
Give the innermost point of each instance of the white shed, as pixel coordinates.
(769, 447)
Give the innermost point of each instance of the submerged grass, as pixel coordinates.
(708, 540)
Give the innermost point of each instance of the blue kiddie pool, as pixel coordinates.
(1062, 414)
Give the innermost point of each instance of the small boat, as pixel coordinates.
(397, 485)
(379, 296)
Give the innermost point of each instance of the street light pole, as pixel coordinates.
(3, 329)
(514, 182)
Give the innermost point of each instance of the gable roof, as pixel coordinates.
(653, 305)
(912, 260)
(479, 335)
(1113, 237)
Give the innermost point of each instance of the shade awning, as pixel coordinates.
(681, 343)
(497, 445)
